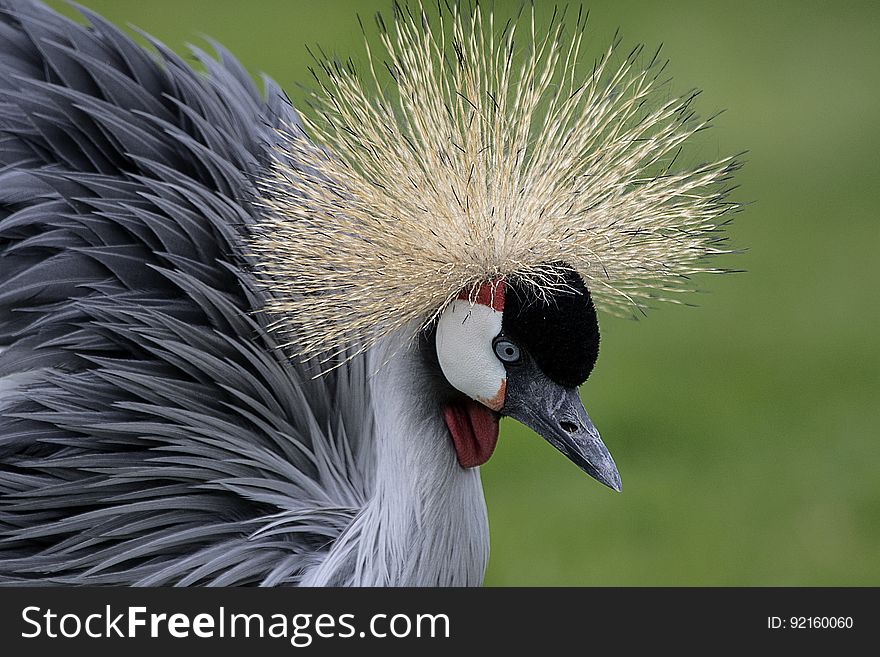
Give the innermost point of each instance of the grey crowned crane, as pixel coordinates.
(247, 346)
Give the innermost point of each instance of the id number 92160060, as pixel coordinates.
(810, 623)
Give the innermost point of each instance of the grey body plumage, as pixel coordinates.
(151, 429)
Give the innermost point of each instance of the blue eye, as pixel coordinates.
(506, 351)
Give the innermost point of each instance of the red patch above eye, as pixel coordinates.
(489, 294)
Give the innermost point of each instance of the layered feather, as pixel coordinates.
(152, 431)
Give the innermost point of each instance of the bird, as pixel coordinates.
(246, 344)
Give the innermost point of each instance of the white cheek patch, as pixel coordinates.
(465, 332)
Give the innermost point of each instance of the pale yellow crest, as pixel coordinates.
(490, 151)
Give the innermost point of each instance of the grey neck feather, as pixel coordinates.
(426, 523)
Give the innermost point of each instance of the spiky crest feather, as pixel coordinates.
(480, 162)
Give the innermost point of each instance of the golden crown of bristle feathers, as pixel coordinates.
(479, 160)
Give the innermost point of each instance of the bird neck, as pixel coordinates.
(426, 522)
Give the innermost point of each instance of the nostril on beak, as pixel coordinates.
(568, 427)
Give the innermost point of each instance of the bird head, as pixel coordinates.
(486, 195)
(513, 352)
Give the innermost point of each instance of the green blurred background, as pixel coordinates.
(745, 430)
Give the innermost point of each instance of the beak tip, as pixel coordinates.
(612, 480)
(602, 468)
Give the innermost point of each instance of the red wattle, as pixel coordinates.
(474, 431)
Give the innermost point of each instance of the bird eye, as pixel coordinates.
(506, 351)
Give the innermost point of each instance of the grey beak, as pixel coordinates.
(556, 414)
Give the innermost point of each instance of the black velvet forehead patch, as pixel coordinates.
(561, 333)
